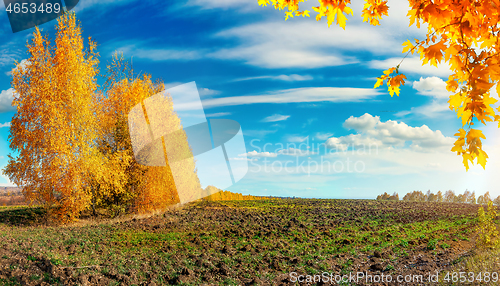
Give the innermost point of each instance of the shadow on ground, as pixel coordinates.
(22, 215)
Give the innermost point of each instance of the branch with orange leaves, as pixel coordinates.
(463, 34)
(333, 10)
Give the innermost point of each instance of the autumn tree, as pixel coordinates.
(54, 129)
(394, 197)
(415, 196)
(419, 196)
(214, 194)
(449, 196)
(470, 197)
(463, 34)
(496, 201)
(486, 198)
(143, 188)
(431, 197)
(72, 139)
(439, 197)
(480, 200)
(383, 197)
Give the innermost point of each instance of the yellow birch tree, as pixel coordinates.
(53, 131)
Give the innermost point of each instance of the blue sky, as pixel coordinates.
(291, 85)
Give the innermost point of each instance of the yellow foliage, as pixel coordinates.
(488, 236)
(72, 139)
(220, 195)
(150, 188)
(54, 129)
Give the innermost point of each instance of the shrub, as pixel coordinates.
(487, 230)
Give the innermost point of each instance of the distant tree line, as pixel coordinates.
(449, 196)
(386, 197)
(214, 194)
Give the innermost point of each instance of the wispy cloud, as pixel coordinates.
(309, 122)
(275, 118)
(207, 92)
(435, 88)
(6, 124)
(286, 152)
(257, 133)
(306, 94)
(218, 114)
(242, 6)
(411, 65)
(9, 53)
(259, 154)
(323, 136)
(142, 51)
(98, 4)
(283, 77)
(297, 139)
(304, 44)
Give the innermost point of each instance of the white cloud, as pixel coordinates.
(411, 65)
(8, 182)
(23, 64)
(432, 86)
(6, 124)
(323, 136)
(173, 84)
(275, 118)
(434, 109)
(9, 52)
(141, 51)
(6, 97)
(283, 77)
(243, 159)
(306, 94)
(99, 4)
(305, 44)
(259, 154)
(218, 114)
(309, 122)
(266, 56)
(389, 134)
(343, 143)
(293, 138)
(258, 133)
(286, 152)
(362, 123)
(241, 5)
(207, 92)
